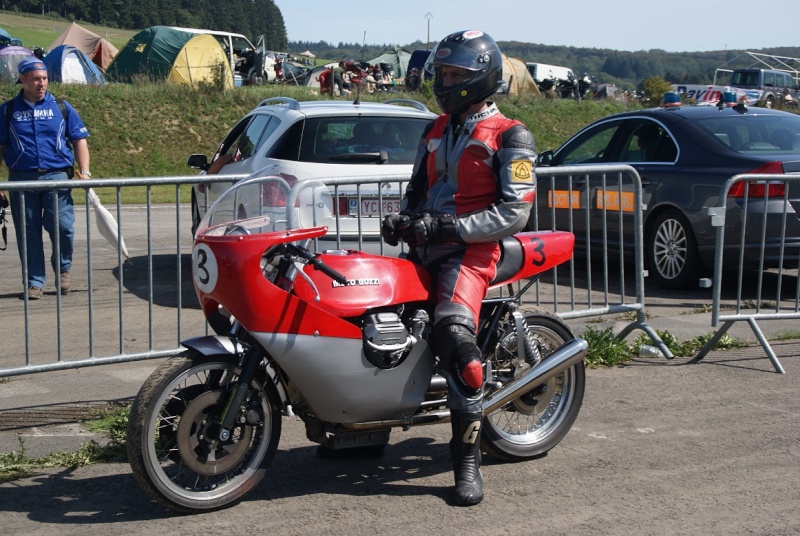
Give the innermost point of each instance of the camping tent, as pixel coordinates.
(517, 77)
(100, 51)
(10, 57)
(310, 79)
(397, 60)
(609, 91)
(164, 53)
(308, 54)
(5, 38)
(68, 65)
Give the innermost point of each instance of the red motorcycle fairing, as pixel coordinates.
(373, 281)
(227, 270)
(541, 251)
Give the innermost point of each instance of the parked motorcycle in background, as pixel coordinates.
(573, 88)
(586, 85)
(340, 339)
(569, 88)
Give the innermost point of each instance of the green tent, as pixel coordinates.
(397, 60)
(164, 53)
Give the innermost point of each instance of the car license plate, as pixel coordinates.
(370, 207)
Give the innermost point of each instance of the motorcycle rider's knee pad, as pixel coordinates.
(449, 333)
(460, 356)
(466, 367)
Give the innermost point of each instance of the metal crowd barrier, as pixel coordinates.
(593, 202)
(763, 251)
(119, 316)
(151, 293)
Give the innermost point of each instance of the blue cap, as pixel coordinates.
(31, 63)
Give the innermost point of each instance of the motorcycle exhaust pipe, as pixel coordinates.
(565, 356)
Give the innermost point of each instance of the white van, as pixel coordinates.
(542, 71)
(249, 63)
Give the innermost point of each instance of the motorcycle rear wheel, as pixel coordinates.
(531, 425)
(171, 421)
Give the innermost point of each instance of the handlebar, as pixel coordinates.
(318, 264)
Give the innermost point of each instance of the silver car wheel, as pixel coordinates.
(670, 248)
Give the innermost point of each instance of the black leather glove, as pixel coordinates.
(425, 229)
(389, 227)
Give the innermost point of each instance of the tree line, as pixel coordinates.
(248, 17)
(625, 69)
(262, 17)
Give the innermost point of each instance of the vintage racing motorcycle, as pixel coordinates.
(340, 339)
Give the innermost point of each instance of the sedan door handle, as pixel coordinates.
(644, 179)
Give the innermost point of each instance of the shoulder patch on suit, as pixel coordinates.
(521, 171)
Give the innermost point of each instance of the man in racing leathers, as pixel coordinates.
(472, 185)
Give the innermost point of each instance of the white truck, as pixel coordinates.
(542, 71)
(710, 95)
(756, 86)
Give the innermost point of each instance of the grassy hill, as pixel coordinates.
(150, 129)
(38, 31)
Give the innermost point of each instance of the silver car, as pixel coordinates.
(322, 139)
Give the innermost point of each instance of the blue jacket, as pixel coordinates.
(36, 138)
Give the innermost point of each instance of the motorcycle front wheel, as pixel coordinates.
(173, 434)
(531, 425)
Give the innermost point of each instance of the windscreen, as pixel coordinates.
(268, 204)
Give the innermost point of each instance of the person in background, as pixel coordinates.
(413, 79)
(472, 185)
(34, 142)
(324, 79)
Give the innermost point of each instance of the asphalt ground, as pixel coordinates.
(661, 447)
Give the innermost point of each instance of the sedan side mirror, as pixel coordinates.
(544, 158)
(198, 161)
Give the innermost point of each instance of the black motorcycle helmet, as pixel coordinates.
(472, 50)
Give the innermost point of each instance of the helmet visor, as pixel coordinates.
(456, 55)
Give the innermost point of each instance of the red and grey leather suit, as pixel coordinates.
(481, 172)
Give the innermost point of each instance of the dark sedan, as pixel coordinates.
(684, 155)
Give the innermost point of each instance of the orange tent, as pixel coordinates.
(99, 50)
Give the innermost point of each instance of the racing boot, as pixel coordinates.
(465, 451)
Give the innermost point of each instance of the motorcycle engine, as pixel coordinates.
(386, 339)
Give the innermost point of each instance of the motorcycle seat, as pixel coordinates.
(511, 258)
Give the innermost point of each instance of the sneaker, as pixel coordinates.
(66, 282)
(34, 293)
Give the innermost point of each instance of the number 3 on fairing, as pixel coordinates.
(204, 268)
(539, 257)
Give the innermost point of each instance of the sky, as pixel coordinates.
(617, 25)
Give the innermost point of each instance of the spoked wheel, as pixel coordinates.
(534, 423)
(173, 440)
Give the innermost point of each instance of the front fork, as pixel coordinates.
(250, 361)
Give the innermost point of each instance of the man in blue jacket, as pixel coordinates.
(34, 136)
